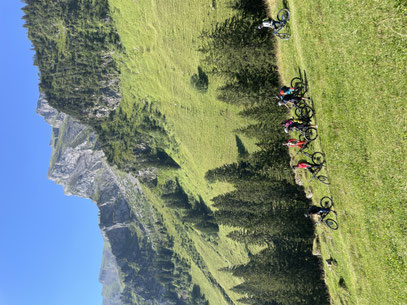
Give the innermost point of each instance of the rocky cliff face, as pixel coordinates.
(79, 165)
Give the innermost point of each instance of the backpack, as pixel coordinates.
(286, 90)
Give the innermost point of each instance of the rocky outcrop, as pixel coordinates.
(79, 165)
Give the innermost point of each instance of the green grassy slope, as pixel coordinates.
(161, 57)
(355, 57)
(161, 41)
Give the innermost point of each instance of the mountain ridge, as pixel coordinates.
(80, 167)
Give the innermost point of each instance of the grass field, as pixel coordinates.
(161, 41)
(355, 57)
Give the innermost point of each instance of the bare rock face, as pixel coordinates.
(50, 115)
(81, 169)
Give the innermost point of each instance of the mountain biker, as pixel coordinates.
(284, 90)
(270, 23)
(292, 124)
(289, 121)
(305, 165)
(289, 99)
(312, 168)
(315, 210)
(295, 143)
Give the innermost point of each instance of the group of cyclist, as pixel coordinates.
(289, 96)
(292, 97)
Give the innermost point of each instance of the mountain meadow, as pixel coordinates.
(181, 96)
(355, 58)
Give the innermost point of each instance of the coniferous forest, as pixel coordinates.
(267, 207)
(75, 42)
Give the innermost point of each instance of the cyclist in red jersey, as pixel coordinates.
(305, 165)
(295, 143)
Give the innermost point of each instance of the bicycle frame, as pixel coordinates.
(322, 219)
(315, 173)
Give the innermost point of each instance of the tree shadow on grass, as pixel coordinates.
(200, 81)
(254, 8)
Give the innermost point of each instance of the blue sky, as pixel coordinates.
(51, 246)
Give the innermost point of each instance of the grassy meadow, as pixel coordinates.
(161, 42)
(355, 57)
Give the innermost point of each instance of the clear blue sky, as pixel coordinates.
(51, 246)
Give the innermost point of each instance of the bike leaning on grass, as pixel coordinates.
(324, 212)
(315, 167)
(283, 16)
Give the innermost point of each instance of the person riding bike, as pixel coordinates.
(295, 143)
(270, 23)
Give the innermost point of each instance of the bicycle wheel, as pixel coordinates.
(304, 113)
(283, 36)
(326, 202)
(299, 102)
(299, 86)
(323, 179)
(296, 82)
(311, 133)
(332, 224)
(283, 15)
(318, 158)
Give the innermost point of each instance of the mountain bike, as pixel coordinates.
(314, 170)
(283, 16)
(300, 86)
(327, 204)
(316, 157)
(308, 133)
(301, 110)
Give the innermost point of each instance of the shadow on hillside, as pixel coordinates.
(200, 81)
(254, 8)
